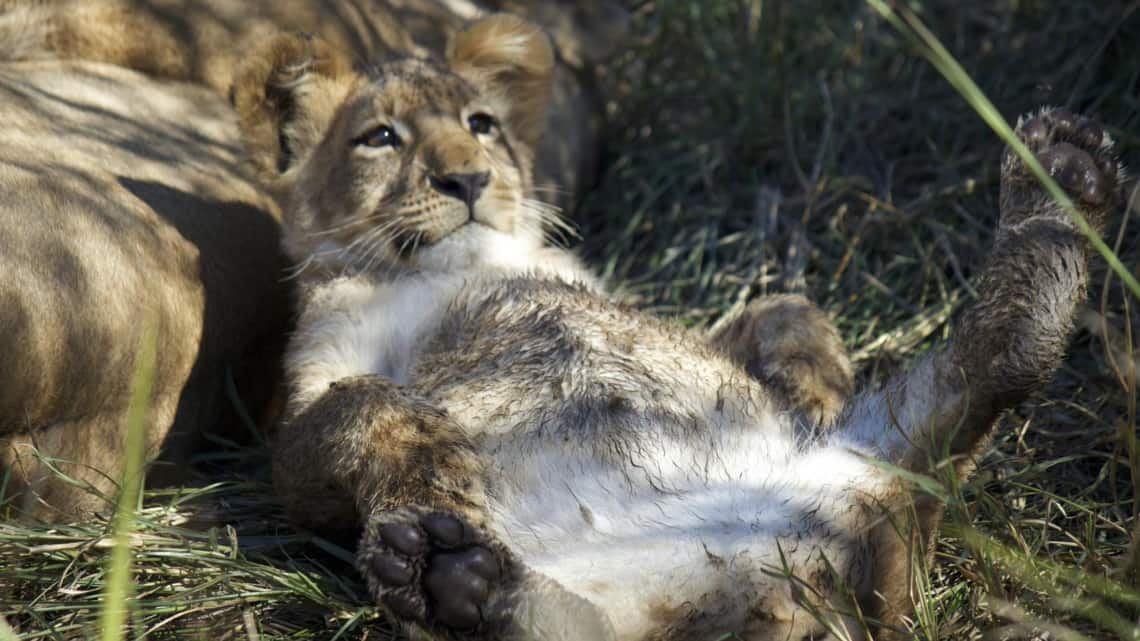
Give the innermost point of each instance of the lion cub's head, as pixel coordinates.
(407, 164)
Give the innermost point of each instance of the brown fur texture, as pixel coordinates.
(792, 347)
(368, 453)
(205, 40)
(124, 199)
(1007, 344)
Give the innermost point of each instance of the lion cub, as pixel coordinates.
(534, 461)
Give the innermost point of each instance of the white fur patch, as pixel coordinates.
(353, 325)
(627, 546)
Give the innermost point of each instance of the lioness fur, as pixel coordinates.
(124, 201)
(532, 460)
(204, 40)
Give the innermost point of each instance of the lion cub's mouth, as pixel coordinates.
(408, 242)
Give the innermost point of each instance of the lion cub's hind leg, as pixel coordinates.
(791, 346)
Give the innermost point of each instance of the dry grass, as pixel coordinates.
(757, 146)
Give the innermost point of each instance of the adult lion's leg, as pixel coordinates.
(62, 471)
(790, 345)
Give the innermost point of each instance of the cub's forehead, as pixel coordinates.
(408, 86)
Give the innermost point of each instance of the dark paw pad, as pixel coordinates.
(1075, 151)
(1076, 171)
(459, 583)
(431, 568)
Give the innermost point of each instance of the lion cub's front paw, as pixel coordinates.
(1076, 152)
(434, 569)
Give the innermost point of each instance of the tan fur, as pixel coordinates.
(505, 55)
(372, 451)
(205, 40)
(123, 199)
(793, 347)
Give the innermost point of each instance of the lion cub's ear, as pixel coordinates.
(512, 59)
(286, 94)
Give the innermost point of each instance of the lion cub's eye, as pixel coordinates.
(382, 136)
(481, 124)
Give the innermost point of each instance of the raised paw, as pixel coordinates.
(791, 346)
(1076, 152)
(433, 569)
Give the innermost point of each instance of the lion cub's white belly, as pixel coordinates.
(362, 327)
(689, 521)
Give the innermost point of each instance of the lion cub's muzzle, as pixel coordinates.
(466, 187)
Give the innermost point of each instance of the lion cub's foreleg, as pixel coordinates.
(789, 344)
(367, 445)
(367, 450)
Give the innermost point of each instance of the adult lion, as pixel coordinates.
(122, 198)
(203, 41)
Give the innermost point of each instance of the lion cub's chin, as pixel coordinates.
(475, 248)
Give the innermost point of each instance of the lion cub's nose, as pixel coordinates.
(465, 187)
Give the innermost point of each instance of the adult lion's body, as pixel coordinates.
(121, 198)
(204, 40)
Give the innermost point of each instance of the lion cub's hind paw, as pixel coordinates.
(1076, 152)
(434, 569)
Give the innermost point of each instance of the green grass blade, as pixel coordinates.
(117, 592)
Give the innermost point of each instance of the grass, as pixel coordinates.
(754, 147)
(118, 591)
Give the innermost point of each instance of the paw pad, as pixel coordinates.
(1075, 151)
(431, 568)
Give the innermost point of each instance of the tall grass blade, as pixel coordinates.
(6, 631)
(117, 591)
